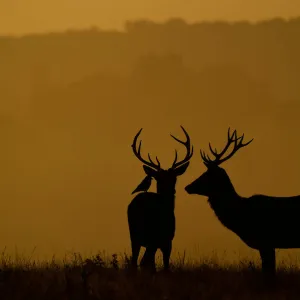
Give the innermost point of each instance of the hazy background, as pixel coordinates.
(22, 16)
(72, 101)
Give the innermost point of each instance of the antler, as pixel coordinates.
(189, 150)
(137, 153)
(238, 143)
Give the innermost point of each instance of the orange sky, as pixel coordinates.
(23, 16)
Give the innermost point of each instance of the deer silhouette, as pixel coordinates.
(151, 216)
(263, 222)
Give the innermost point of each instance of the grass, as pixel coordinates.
(108, 278)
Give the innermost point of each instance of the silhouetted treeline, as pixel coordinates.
(261, 60)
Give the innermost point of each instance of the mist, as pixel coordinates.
(72, 102)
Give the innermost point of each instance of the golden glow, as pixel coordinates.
(70, 107)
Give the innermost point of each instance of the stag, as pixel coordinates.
(264, 223)
(151, 216)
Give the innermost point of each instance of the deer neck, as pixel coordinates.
(226, 203)
(168, 199)
(224, 192)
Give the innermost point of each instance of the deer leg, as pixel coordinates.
(268, 260)
(152, 260)
(166, 250)
(135, 248)
(148, 260)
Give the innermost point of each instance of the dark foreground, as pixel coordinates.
(95, 279)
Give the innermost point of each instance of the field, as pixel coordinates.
(109, 278)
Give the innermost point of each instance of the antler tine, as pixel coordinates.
(137, 153)
(205, 157)
(189, 149)
(175, 159)
(157, 160)
(152, 160)
(238, 144)
(243, 145)
(230, 139)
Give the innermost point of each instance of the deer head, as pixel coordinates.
(215, 180)
(166, 179)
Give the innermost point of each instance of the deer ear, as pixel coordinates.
(180, 170)
(149, 171)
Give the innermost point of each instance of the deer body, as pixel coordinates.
(152, 219)
(262, 222)
(151, 216)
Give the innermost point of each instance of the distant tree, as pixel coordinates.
(139, 25)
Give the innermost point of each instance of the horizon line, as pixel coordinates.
(147, 20)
